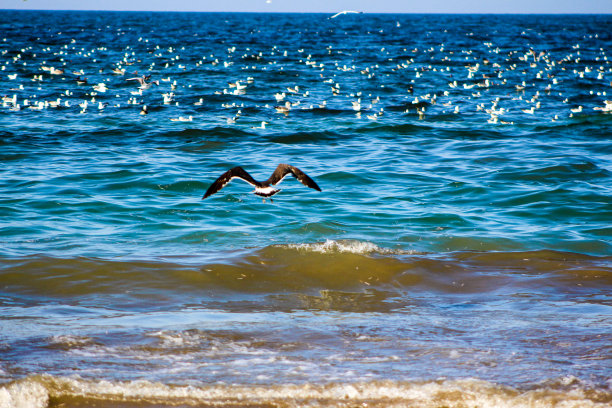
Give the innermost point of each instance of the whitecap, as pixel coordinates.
(344, 246)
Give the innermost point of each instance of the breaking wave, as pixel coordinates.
(49, 391)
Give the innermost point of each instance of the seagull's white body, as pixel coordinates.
(265, 191)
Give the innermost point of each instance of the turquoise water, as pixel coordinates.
(458, 254)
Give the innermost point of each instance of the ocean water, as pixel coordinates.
(458, 255)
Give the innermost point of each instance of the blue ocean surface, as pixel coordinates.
(459, 253)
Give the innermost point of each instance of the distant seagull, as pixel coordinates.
(530, 111)
(283, 108)
(577, 110)
(182, 119)
(606, 108)
(261, 126)
(101, 87)
(346, 12)
(262, 189)
(143, 81)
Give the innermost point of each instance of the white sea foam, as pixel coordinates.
(344, 246)
(30, 393)
(70, 341)
(34, 392)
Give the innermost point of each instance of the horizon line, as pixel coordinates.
(318, 12)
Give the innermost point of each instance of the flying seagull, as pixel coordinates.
(142, 80)
(346, 12)
(263, 188)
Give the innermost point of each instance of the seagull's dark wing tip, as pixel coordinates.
(214, 187)
(219, 183)
(308, 182)
(302, 177)
(226, 177)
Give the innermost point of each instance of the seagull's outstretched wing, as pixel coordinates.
(139, 79)
(284, 169)
(236, 172)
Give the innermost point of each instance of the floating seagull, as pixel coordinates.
(577, 110)
(606, 108)
(182, 119)
(346, 12)
(168, 98)
(262, 126)
(530, 111)
(283, 108)
(101, 87)
(262, 189)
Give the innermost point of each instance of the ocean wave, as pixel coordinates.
(350, 266)
(310, 137)
(46, 390)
